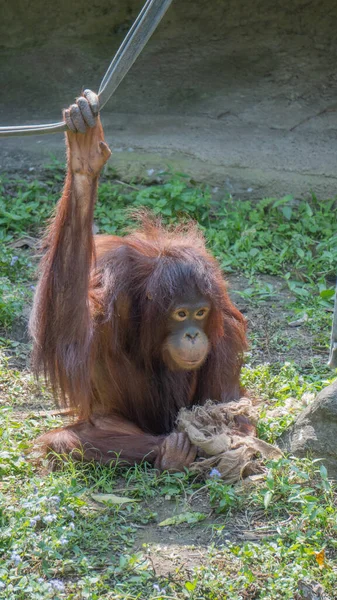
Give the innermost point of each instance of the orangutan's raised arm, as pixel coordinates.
(61, 324)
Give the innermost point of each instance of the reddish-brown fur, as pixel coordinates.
(99, 324)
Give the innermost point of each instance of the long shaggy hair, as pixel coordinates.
(100, 346)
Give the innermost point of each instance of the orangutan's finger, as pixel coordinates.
(68, 120)
(86, 112)
(77, 118)
(93, 101)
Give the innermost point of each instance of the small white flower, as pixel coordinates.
(55, 499)
(49, 518)
(16, 558)
(215, 473)
(157, 588)
(63, 541)
(57, 585)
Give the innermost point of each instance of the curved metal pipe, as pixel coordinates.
(135, 40)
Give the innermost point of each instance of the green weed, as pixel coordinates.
(57, 540)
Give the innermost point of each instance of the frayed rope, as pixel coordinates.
(215, 430)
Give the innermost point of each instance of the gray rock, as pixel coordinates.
(19, 330)
(312, 591)
(314, 433)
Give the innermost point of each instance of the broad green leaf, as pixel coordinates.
(191, 585)
(287, 211)
(112, 499)
(323, 471)
(186, 517)
(327, 293)
(267, 499)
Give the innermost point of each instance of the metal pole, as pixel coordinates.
(134, 42)
(333, 347)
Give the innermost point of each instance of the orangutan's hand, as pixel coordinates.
(87, 150)
(175, 453)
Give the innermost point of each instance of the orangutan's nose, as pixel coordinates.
(191, 336)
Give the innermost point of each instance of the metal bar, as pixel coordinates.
(135, 40)
(333, 347)
(123, 45)
(32, 129)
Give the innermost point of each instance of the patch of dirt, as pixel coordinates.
(29, 397)
(183, 547)
(266, 305)
(169, 559)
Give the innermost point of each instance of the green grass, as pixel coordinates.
(295, 239)
(59, 538)
(55, 532)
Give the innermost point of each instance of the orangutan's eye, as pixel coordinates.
(180, 315)
(201, 313)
